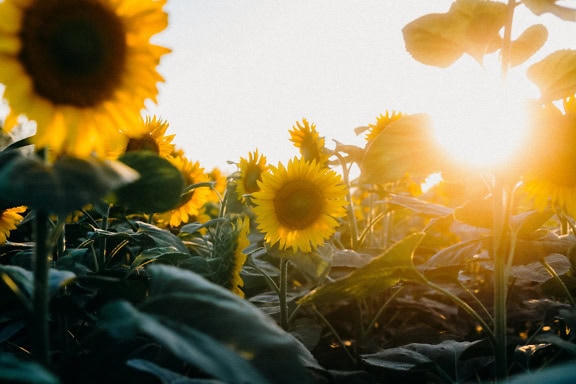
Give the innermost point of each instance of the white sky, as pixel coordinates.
(242, 72)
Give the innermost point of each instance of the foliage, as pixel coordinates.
(470, 280)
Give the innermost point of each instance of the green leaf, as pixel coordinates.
(164, 255)
(420, 206)
(527, 44)
(62, 187)
(190, 300)
(555, 75)
(477, 213)
(404, 146)
(13, 370)
(167, 376)
(382, 272)
(561, 374)
(161, 237)
(159, 187)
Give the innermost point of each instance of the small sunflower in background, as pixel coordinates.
(298, 205)
(9, 220)
(251, 171)
(550, 176)
(81, 69)
(308, 141)
(382, 122)
(192, 201)
(154, 138)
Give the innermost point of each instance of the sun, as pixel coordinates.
(479, 119)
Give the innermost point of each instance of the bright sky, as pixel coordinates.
(243, 72)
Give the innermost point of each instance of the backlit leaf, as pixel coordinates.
(527, 44)
(555, 75)
(539, 7)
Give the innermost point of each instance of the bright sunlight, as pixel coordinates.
(479, 119)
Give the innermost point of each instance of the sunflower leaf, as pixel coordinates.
(555, 75)
(527, 44)
(382, 272)
(539, 7)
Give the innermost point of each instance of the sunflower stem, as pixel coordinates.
(40, 338)
(283, 293)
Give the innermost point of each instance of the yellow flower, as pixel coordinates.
(153, 139)
(9, 219)
(82, 69)
(311, 145)
(382, 122)
(220, 183)
(241, 231)
(192, 201)
(251, 171)
(298, 205)
(550, 177)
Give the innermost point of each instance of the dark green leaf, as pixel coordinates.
(164, 255)
(165, 375)
(14, 370)
(159, 187)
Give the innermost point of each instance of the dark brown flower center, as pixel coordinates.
(298, 204)
(252, 175)
(74, 50)
(146, 143)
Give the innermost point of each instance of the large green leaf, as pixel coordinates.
(14, 370)
(62, 187)
(555, 75)
(527, 44)
(185, 301)
(167, 376)
(393, 266)
(405, 146)
(159, 187)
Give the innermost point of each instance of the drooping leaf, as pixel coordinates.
(434, 39)
(477, 213)
(62, 187)
(167, 376)
(14, 370)
(526, 223)
(382, 272)
(164, 255)
(539, 7)
(561, 374)
(555, 75)
(527, 44)
(536, 271)
(159, 187)
(188, 299)
(406, 145)
(420, 206)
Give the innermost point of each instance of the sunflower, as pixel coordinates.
(298, 205)
(192, 201)
(81, 69)
(153, 139)
(308, 141)
(241, 242)
(382, 122)
(251, 171)
(550, 177)
(9, 219)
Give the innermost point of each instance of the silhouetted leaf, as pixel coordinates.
(555, 75)
(14, 370)
(420, 206)
(527, 44)
(539, 7)
(167, 376)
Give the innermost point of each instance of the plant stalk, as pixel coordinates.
(283, 288)
(40, 337)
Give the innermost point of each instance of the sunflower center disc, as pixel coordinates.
(298, 204)
(74, 51)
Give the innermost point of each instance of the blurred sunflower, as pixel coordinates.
(9, 219)
(550, 177)
(251, 171)
(241, 242)
(82, 69)
(308, 141)
(382, 122)
(153, 139)
(192, 201)
(297, 206)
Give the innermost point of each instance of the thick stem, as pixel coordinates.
(40, 338)
(283, 286)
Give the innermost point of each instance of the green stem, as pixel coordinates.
(352, 223)
(283, 287)
(40, 338)
(336, 334)
(555, 276)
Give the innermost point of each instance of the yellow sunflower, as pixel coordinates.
(194, 200)
(308, 141)
(9, 219)
(298, 205)
(251, 171)
(153, 139)
(241, 231)
(382, 122)
(550, 176)
(82, 69)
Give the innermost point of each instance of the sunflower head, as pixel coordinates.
(308, 141)
(251, 171)
(81, 69)
(9, 220)
(298, 205)
(153, 139)
(382, 122)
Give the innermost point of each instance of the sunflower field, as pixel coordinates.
(124, 261)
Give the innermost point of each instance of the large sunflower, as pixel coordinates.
(251, 171)
(9, 219)
(298, 205)
(82, 69)
(307, 139)
(550, 176)
(193, 201)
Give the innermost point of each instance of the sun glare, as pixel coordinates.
(479, 119)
